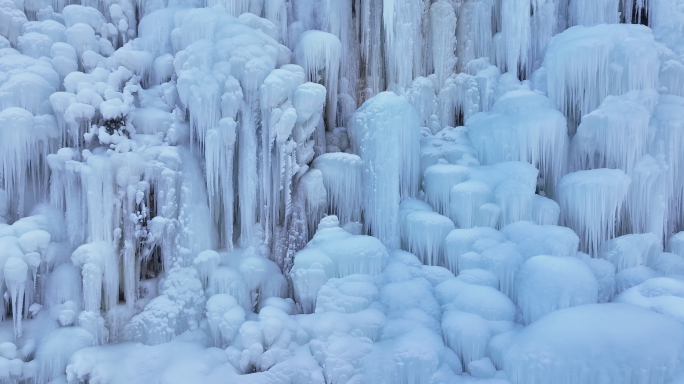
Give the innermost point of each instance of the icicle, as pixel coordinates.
(403, 42)
(465, 200)
(205, 263)
(646, 205)
(24, 146)
(589, 12)
(342, 174)
(579, 75)
(631, 251)
(99, 267)
(475, 30)
(316, 198)
(515, 16)
(615, 135)
(591, 202)
(515, 200)
(312, 268)
(16, 274)
(226, 280)
(459, 98)
(385, 133)
(422, 97)
(276, 12)
(668, 143)
(443, 39)
(426, 232)
(322, 52)
(372, 61)
(439, 180)
(219, 155)
(528, 129)
(547, 20)
(676, 244)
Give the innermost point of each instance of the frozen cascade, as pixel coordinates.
(341, 191)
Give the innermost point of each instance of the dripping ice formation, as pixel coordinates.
(338, 191)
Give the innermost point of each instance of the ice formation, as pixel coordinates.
(342, 191)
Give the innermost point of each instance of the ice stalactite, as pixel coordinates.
(15, 272)
(589, 13)
(439, 180)
(276, 12)
(523, 126)
(458, 100)
(425, 233)
(219, 155)
(403, 42)
(616, 135)
(238, 7)
(443, 34)
(342, 175)
(591, 203)
(579, 76)
(647, 201)
(465, 200)
(515, 27)
(386, 128)
(474, 31)
(293, 110)
(339, 21)
(372, 64)
(548, 18)
(669, 139)
(315, 198)
(100, 271)
(25, 141)
(320, 54)
(666, 13)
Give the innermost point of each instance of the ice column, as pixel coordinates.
(385, 133)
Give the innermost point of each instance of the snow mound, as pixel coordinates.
(593, 341)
